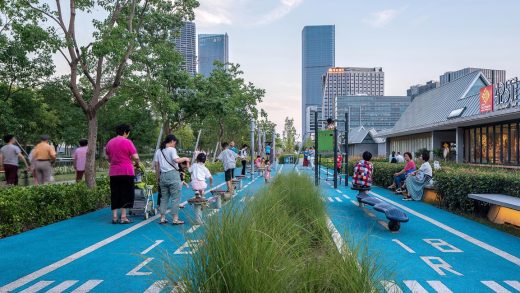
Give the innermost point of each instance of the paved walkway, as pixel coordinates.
(435, 252)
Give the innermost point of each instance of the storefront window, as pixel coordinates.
(484, 145)
(514, 144)
(494, 144)
(498, 145)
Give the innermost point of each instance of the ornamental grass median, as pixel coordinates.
(278, 242)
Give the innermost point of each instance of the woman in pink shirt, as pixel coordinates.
(80, 158)
(121, 154)
(400, 177)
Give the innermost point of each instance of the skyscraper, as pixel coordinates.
(212, 47)
(185, 43)
(318, 55)
(350, 81)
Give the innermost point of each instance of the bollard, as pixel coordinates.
(237, 184)
(198, 214)
(25, 178)
(218, 202)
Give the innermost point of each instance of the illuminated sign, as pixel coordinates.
(336, 69)
(507, 94)
(486, 99)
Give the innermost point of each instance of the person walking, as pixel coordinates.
(10, 154)
(243, 158)
(170, 179)
(80, 159)
(392, 158)
(228, 159)
(399, 158)
(44, 155)
(122, 155)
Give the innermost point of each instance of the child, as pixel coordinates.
(182, 170)
(199, 173)
(258, 162)
(363, 172)
(228, 159)
(267, 171)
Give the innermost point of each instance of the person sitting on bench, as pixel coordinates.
(400, 177)
(417, 180)
(363, 172)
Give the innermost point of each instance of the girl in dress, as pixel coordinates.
(199, 173)
(267, 171)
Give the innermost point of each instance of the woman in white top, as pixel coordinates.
(243, 157)
(170, 179)
(416, 181)
(199, 173)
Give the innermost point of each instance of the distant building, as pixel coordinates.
(350, 81)
(212, 47)
(361, 139)
(318, 55)
(185, 43)
(309, 116)
(493, 75)
(378, 112)
(420, 89)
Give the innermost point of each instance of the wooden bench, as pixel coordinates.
(504, 208)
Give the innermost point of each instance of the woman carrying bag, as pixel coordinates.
(170, 179)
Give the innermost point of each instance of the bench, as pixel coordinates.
(504, 208)
(394, 215)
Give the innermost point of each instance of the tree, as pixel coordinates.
(289, 135)
(97, 69)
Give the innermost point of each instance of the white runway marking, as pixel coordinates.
(157, 242)
(514, 284)
(346, 196)
(404, 246)
(87, 286)
(156, 287)
(63, 286)
(36, 287)
(330, 199)
(414, 286)
(338, 199)
(193, 228)
(481, 244)
(439, 287)
(495, 287)
(135, 271)
(391, 287)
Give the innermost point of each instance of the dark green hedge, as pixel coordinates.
(455, 182)
(25, 208)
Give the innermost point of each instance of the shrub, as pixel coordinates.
(280, 242)
(282, 157)
(25, 208)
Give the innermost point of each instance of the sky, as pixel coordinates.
(413, 40)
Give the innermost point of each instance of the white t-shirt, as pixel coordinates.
(228, 159)
(243, 154)
(399, 158)
(199, 172)
(171, 155)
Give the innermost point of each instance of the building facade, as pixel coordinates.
(477, 121)
(350, 81)
(310, 112)
(318, 55)
(493, 75)
(377, 112)
(420, 89)
(212, 47)
(185, 42)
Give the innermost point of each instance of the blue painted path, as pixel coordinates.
(436, 251)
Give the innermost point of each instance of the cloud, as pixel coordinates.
(381, 18)
(284, 8)
(212, 13)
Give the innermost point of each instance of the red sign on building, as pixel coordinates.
(486, 99)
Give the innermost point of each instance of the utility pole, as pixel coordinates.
(335, 157)
(346, 146)
(316, 166)
(252, 131)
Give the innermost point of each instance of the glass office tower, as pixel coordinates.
(318, 55)
(212, 47)
(185, 43)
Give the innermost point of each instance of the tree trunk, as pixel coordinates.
(90, 167)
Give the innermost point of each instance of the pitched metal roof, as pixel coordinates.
(433, 107)
(358, 135)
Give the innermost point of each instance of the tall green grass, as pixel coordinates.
(279, 242)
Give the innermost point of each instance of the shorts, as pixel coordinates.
(198, 185)
(229, 174)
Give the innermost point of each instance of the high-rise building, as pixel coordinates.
(419, 89)
(378, 112)
(493, 75)
(310, 112)
(212, 47)
(350, 81)
(185, 43)
(318, 55)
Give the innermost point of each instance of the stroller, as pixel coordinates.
(144, 202)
